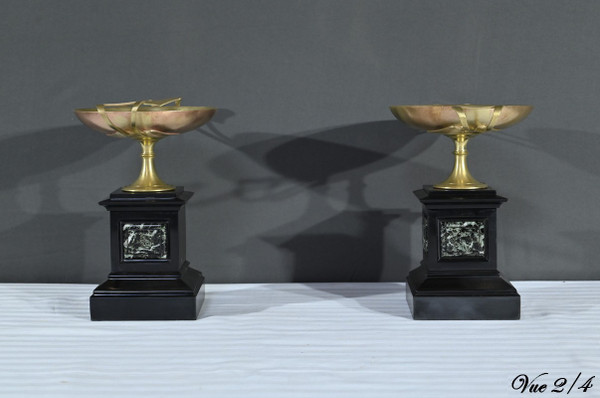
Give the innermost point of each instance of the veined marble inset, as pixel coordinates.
(145, 241)
(462, 238)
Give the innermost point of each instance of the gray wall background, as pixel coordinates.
(304, 174)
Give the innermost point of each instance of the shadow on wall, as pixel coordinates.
(578, 148)
(347, 153)
(584, 262)
(47, 249)
(42, 152)
(46, 243)
(347, 247)
(574, 238)
(339, 245)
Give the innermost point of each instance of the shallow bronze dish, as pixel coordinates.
(460, 122)
(151, 122)
(147, 122)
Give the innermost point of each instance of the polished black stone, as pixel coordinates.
(150, 278)
(458, 276)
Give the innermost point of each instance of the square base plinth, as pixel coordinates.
(146, 308)
(491, 298)
(145, 299)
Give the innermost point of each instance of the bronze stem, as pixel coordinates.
(148, 180)
(460, 178)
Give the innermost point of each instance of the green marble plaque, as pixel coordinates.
(460, 238)
(145, 241)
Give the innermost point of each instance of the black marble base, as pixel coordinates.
(458, 277)
(482, 297)
(152, 297)
(150, 278)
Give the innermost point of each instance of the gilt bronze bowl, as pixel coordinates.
(146, 121)
(459, 123)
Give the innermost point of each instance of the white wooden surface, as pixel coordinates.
(295, 340)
